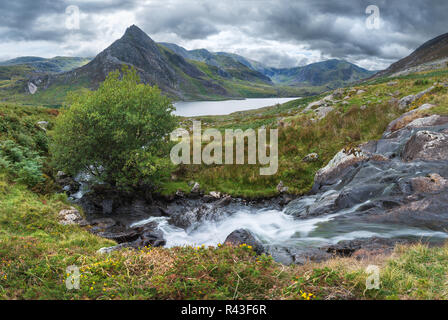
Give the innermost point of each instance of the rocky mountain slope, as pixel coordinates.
(431, 55)
(176, 76)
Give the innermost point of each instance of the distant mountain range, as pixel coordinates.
(195, 74)
(53, 65)
(332, 73)
(183, 74)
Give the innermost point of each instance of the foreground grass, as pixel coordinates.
(35, 252)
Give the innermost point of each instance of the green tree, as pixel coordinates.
(119, 133)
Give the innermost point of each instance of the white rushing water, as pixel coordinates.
(203, 108)
(273, 227)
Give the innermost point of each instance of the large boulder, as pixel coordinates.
(244, 236)
(427, 146)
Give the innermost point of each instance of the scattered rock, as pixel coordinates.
(338, 93)
(70, 217)
(281, 188)
(312, 157)
(323, 111)
(392, 83)
(43, 125)
(107, 250)
(180, 193)
(406, 101)
(215, 194)
(360, 92)
(196, 188)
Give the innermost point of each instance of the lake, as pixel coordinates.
(206, 108)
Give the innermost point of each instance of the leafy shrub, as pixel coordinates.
(23, 164)
(118, 133)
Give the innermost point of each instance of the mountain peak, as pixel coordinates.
(135, 33)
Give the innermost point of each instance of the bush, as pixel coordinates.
(23, 164)
(118, 133)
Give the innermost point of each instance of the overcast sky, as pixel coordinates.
(279, 33)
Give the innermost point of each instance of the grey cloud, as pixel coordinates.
(335, 28)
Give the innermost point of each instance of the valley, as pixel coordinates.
(362, 177)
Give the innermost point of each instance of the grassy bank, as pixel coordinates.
(35, 252)
(354, 120)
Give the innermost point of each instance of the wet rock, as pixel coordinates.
(426, 145)
(223, 202)
(307, 207)
(67, 183)
(298, 255)
(243, 236)
(180, 194)
(120, 234)
(428, 212)
(153, 238)
(350, 197)
(342, 162)
(102, 223)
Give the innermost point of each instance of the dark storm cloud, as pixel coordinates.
(45, 19)
(335, 28)
(329, 26)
